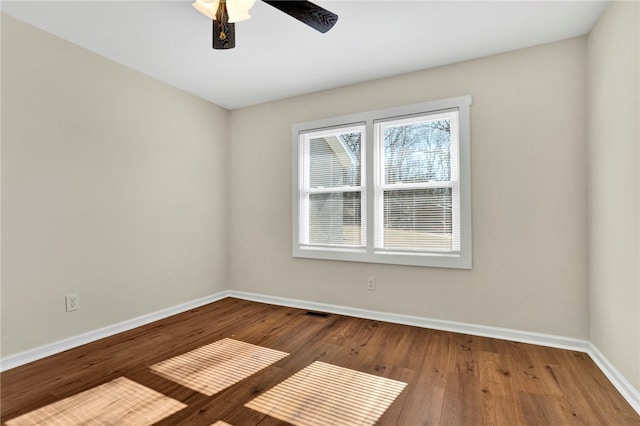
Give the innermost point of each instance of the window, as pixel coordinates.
(332, 180)
(389, 186)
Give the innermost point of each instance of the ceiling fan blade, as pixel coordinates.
(306, 12)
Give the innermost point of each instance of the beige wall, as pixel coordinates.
(113, 186)
(614, 187)
(528, 148)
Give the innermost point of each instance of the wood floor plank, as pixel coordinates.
(452, 379)
(541, 410)
(499, 396)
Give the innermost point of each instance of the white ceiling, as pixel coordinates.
(278, 57)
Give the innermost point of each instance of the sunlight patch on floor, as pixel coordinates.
(120, 401)
(216, 366)
(324, 394)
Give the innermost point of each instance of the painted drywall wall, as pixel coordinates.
(528, 146)
(614, 186)
(113, 187)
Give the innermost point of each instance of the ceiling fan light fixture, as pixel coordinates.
(238, 10)
(207, 8)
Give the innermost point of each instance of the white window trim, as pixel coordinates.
(380, 186)
(461, 260)
(304, 186)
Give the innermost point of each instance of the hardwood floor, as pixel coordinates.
(452, 379)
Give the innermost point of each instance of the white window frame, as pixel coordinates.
(461, 258)
(305, 190)
(379, 178)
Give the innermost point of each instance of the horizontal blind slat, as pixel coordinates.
(414, 219)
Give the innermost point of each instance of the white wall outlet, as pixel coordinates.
(371, 283)
(73, 302)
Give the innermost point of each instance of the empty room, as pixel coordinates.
(338, 212)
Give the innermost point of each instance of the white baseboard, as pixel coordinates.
(625, 388)
(456, 327)
(40, 352)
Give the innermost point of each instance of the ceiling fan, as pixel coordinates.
(225, 13)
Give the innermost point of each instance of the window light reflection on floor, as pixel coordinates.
(216, 366)
(324, 394)
(120, 401)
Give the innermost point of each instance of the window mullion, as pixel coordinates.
(372, 178)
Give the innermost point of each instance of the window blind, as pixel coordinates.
(417, 184)
(332, 188)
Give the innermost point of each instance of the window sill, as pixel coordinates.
(439, 260)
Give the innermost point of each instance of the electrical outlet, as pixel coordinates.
(371, 283)
(73, 302)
